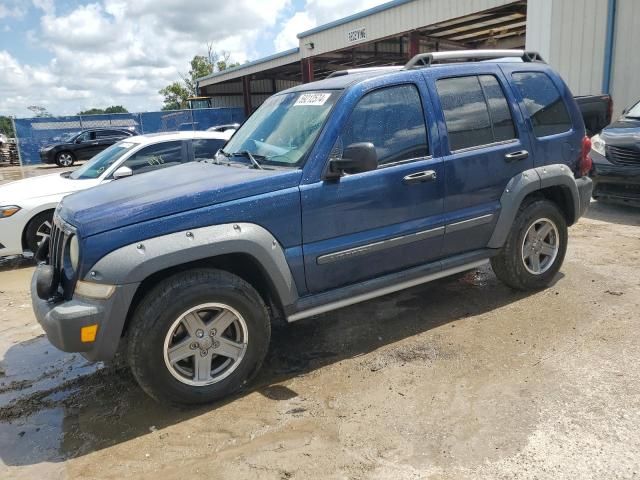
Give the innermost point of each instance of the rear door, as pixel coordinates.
(486, 145)
(368, 224)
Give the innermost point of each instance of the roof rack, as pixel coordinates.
(351, 71)
(427, 59)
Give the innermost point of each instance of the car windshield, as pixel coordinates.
(282, 130)
(102, 161)
(67, 137)
(634, 111)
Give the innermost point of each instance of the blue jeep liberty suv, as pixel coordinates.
(331, 193)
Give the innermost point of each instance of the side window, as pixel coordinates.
(465, 112)
(156, 156)
(206, 148)
(499, 112)
(88, 136)
(393, 120)
(543, 102)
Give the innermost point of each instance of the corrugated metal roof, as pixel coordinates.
(355, 16)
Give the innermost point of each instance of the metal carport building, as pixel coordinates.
(588, 41)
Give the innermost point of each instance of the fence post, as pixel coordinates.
(15, 133)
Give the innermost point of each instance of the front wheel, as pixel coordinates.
(535, 248)
(65, 159)
(38, 230)
(198, 336)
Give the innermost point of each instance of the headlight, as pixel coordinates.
(74, 252)
(8, 210)
(598, 144)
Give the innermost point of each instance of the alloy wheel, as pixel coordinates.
(540, 246)
(205, 344)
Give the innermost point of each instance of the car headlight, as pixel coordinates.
(74, 252)
(598, 144)
(8, 210)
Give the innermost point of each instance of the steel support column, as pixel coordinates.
(414, 44)
(307, 69)
(246, 94)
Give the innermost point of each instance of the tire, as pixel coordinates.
(38, 229)
(65, 159)
(173, 327)
(515, 264)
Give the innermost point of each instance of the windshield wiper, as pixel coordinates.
(250, 156)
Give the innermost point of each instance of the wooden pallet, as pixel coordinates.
(9, 153)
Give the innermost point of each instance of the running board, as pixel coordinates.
(378, 292)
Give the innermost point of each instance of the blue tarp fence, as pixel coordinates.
(34, 133)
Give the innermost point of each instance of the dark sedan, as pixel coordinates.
(616, 160)
(81, 145)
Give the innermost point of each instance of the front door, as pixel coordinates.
(368, 224)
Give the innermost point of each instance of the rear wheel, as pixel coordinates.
(535, 248)
(198, 336)
(38, 230)
(65, 159)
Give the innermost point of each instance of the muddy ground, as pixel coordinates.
(458, 379)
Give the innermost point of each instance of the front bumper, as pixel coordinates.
(11, 229)
(615, 182)
(47, 156)
(62, 321)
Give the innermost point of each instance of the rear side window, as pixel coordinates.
(544, 103)
(475, 110)
(393, 120)
(206, 148)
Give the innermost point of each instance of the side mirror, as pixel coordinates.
(78, 140)
(356, 158)
(122, 172)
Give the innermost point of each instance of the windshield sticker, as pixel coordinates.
(314, 99)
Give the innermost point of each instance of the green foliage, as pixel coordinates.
(98, 111)
(176, 94)
(6, 127)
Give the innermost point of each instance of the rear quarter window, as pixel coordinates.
(544, 103)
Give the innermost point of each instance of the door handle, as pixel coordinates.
(420, 177)
(515, 156)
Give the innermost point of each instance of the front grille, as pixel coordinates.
(623, 156)
(61, 232)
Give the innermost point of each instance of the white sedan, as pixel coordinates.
(26, 206)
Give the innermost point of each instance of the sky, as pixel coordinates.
(72, 55)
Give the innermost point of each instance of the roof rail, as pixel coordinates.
(351, 71)
(426, 59)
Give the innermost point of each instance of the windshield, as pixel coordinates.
(66, 137)
(98, 164)
(634, 111)
(282, 130)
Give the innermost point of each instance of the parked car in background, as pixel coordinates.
(224, 128)
(26, 206)
(81, 145)
(331, 193)
(596, 112)
(616, 160)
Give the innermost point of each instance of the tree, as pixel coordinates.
(98, 111)
(39, 111)
(176, 94)
(6, 127)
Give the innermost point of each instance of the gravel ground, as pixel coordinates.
(462, 378)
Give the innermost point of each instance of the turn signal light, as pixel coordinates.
(88, 334)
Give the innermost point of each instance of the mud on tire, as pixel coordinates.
(513, 265)
(201, 315)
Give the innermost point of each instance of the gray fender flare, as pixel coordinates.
(528, 182)
(135, 262)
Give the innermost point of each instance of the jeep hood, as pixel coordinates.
(166, 192)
